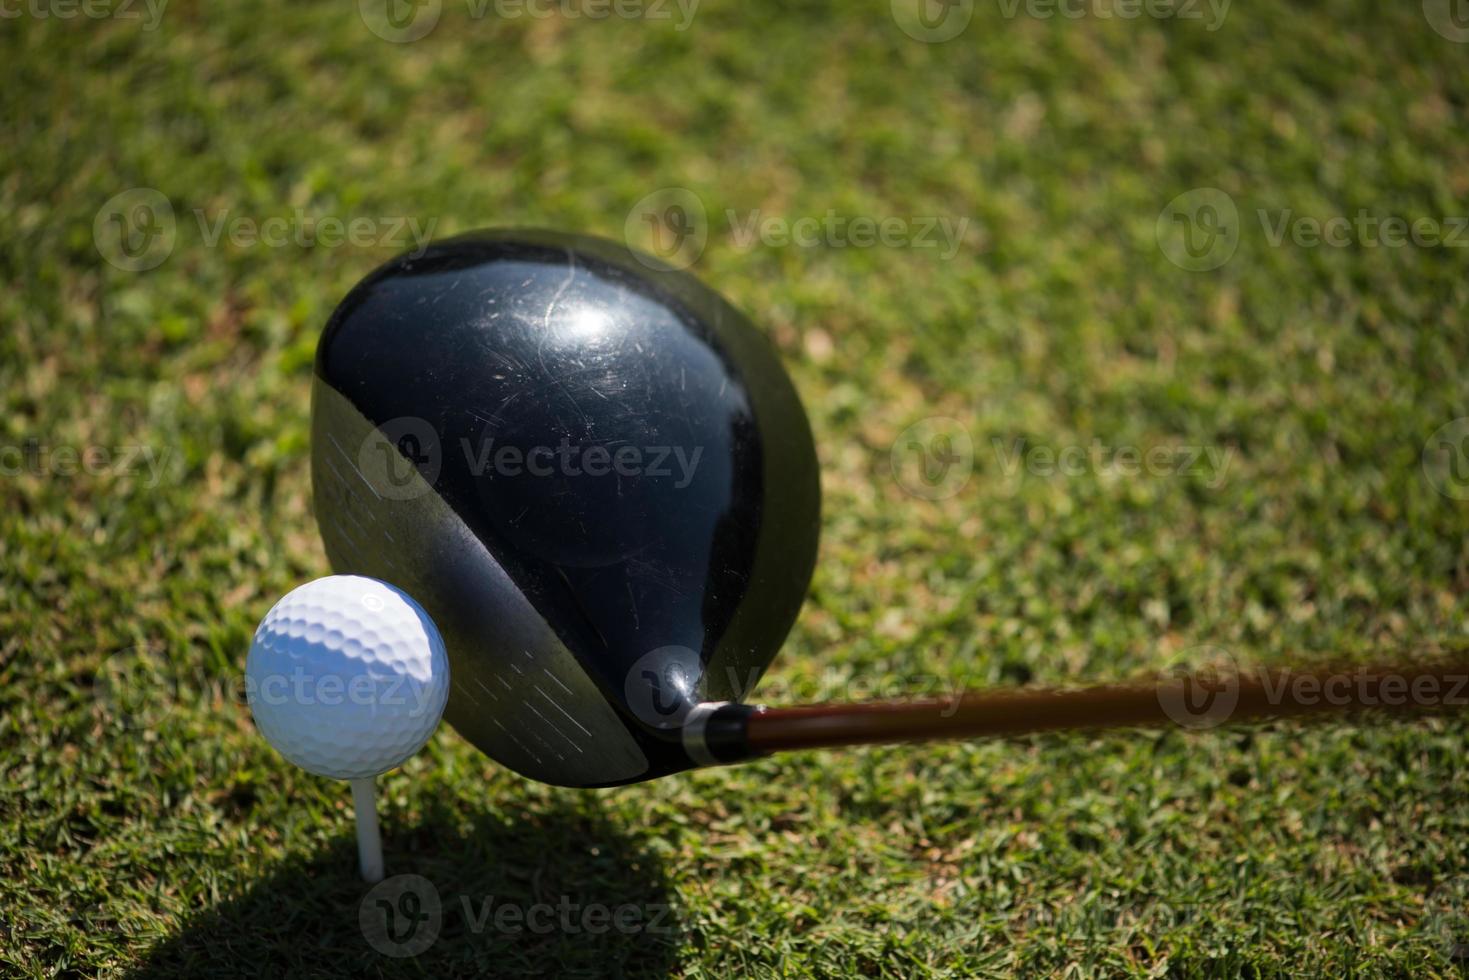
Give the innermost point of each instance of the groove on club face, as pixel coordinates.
(642, 590)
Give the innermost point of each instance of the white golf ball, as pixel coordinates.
(347, 676)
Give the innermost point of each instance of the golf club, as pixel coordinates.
(595, 476)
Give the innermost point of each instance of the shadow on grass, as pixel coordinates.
(557, 892)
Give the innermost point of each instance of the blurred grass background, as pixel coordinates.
(146, 830)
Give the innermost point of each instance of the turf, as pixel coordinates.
(145, 829)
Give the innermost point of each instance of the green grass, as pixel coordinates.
(145, 829)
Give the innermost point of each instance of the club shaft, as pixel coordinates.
(1197, 701)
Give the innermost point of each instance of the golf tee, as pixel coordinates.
(369, 840)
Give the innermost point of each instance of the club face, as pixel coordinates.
(593, 473)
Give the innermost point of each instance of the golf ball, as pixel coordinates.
(347, 676)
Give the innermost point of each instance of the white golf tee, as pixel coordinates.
(369, 840)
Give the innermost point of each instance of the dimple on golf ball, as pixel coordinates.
(347, 676)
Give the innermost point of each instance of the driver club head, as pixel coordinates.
(591, 471)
